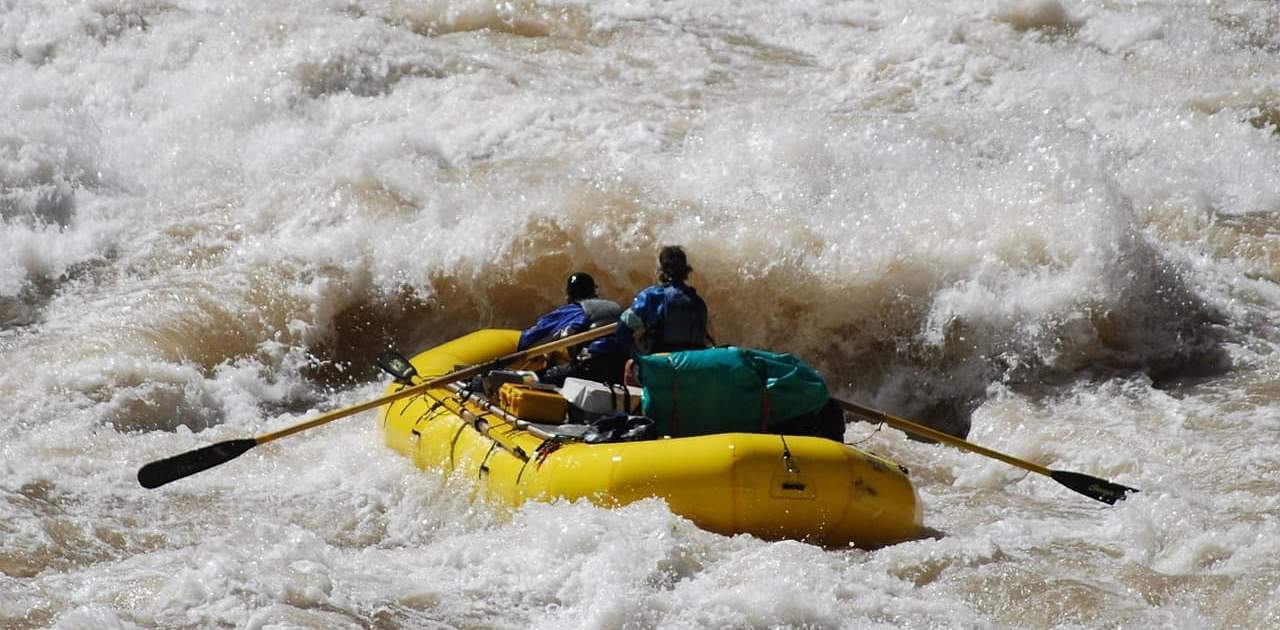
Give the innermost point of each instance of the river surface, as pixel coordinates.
(1053, 224)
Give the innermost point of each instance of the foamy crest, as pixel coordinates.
(1033, 14)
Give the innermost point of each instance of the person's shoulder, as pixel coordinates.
(562, 311)
(680, 287)
(650, 291)
(568, 308)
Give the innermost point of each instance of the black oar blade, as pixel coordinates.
(396, 365)
(163, 471)
(1092, 487)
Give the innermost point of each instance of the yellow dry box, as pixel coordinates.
(535, 403)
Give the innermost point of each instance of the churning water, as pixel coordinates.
(1053, 222)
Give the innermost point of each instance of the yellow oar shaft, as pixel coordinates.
(331, 416)
(946, 438)
(169, 469)
(458, 375)
(1095, 488)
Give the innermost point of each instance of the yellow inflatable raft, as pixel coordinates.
(770, 486)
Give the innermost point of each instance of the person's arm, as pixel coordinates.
(633, 321)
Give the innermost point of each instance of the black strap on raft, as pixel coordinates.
(675, 398)
(484, 463)
(407, 404)
(786, 456)
(545, 450)
(438, 404)
(453, 445)
(424, 417)
(614, 388)
(520, 475)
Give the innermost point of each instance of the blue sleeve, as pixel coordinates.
(570, 319)
(642, 314)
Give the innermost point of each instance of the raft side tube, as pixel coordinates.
(810, 489)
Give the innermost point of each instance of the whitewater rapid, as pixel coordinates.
(1053, 224)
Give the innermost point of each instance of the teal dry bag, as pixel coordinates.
(725, 390)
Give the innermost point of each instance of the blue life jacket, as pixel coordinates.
(570, 319)
(566, 320)
(682, 321)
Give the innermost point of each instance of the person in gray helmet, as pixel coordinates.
(583, 309)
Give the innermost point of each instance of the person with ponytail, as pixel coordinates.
(668, 316)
